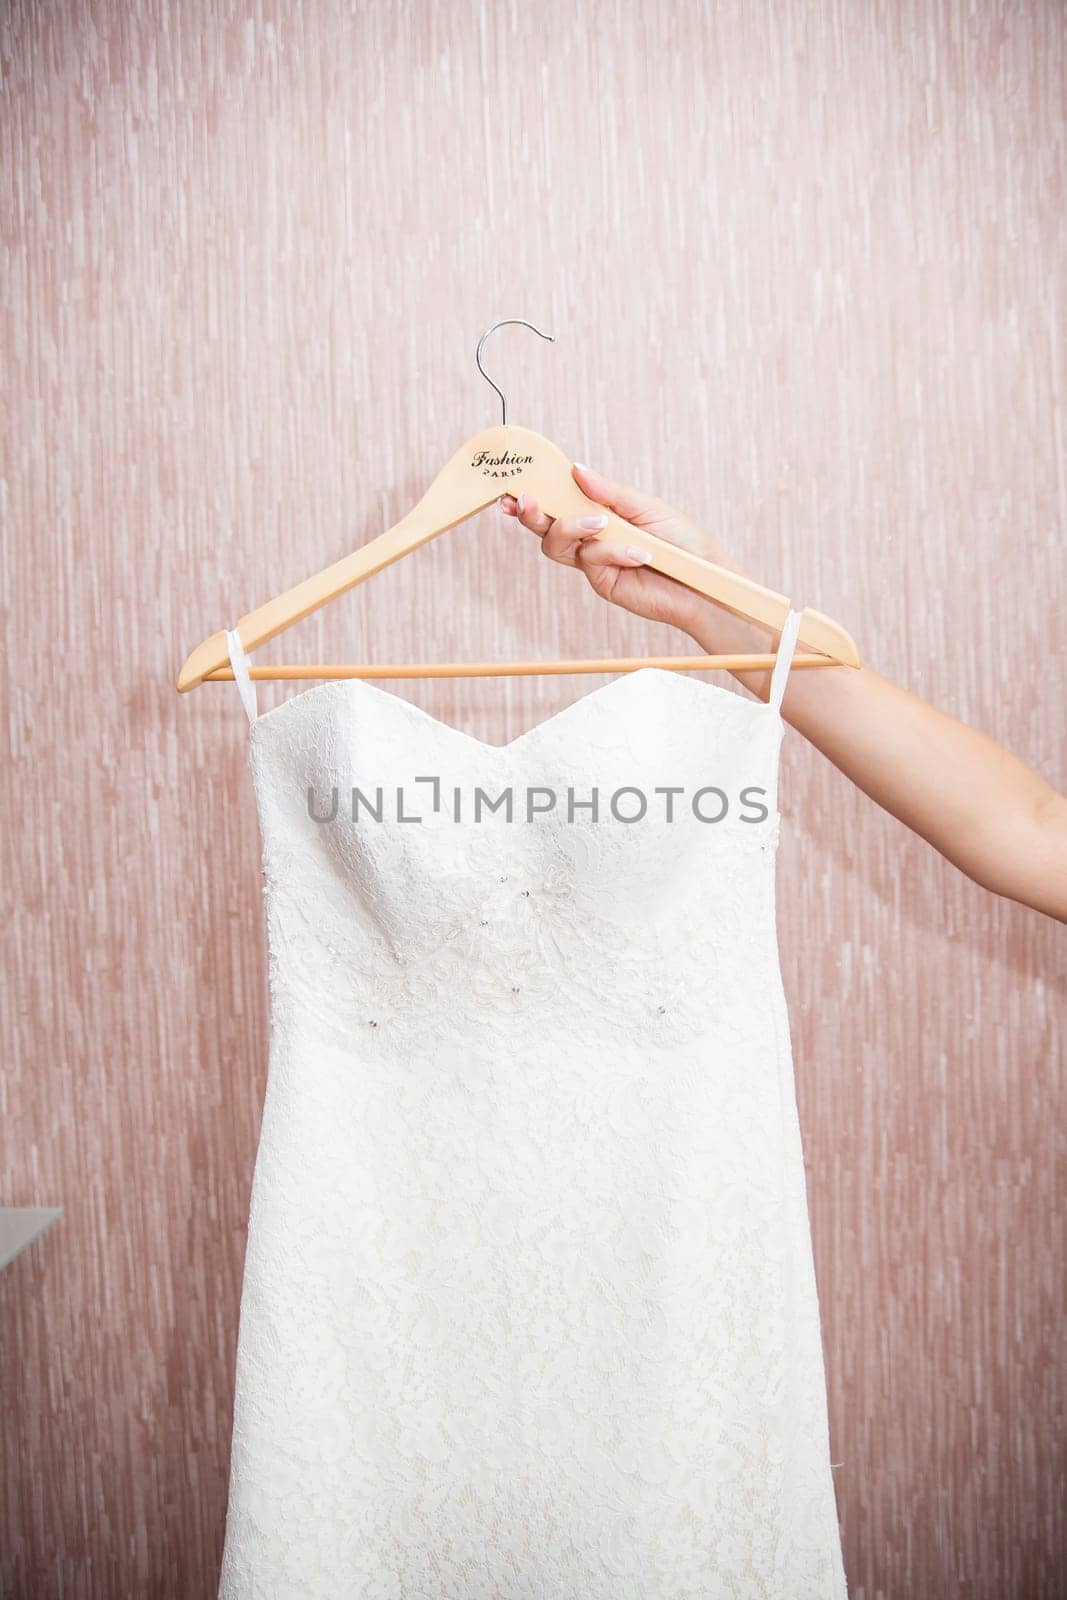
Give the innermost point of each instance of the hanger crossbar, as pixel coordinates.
(753, 662)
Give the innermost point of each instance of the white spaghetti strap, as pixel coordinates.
(783, 658)
(239, 662)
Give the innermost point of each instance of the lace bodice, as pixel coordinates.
(596, 926)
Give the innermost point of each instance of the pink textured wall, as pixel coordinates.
(805, 266)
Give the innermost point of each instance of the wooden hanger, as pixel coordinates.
(515, 460)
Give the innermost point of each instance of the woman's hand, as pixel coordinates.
(620, 575)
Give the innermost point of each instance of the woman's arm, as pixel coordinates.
(975, 802)
(980, 806)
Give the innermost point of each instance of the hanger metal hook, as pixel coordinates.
(503, 323)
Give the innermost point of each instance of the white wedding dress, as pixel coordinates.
(529, 1309)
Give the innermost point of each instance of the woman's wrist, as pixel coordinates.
(719, 632)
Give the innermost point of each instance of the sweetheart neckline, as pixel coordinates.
(763, 708)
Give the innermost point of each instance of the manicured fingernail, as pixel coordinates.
(522, 503)
(637, 555)
(592, 523)
(581, 466)
(507, 505)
